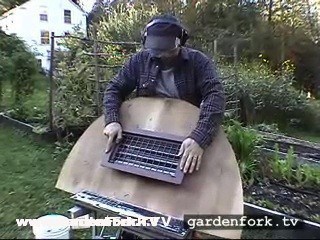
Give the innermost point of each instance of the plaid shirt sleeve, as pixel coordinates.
(213, 101)
(119, 88)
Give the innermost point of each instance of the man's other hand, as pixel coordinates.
(112, 130)
(191, 155)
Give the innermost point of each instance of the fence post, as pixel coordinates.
(51, 83)
(96, 70)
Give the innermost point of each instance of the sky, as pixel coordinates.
(87, 4)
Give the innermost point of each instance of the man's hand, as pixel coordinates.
(112, 130)
(192, 155)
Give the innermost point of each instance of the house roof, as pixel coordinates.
(77, 6)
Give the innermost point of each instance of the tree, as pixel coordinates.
(6, 5)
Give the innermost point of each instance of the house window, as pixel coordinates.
(39, 62)
(67, 16)
(44, 17)
(45, 37)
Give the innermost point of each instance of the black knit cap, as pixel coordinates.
(165, 29)
(163, 36)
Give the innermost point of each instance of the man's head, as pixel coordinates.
(163, 37)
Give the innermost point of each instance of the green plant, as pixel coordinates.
(289, 164)
(316, 218)
(283, 168)
(311, 175)
(244, 142)
(276, 164)
(293, 173)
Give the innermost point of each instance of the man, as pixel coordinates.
(168, 69)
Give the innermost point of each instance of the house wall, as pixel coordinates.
(24, 21)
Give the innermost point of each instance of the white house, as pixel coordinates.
(34, 21)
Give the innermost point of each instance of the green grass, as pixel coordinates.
(28, 173)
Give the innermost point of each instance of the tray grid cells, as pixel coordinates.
(144, 152)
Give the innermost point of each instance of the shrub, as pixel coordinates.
(77, 97)
(74, 93)
(24, 70)
(18, 71)
(33, 108)
(274, 98)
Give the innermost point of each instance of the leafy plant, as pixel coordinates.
(311, 175)
(316, 218)
(244, 142)
(292, 173)
(289, 164)
(283, 168)
(276, 164)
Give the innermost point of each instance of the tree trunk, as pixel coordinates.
(270, 10)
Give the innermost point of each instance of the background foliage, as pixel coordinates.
(279, 30)
(19, 72)
(76, 93)
(272, 97)
(277, 64)
(270, 85)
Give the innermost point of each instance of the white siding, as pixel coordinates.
(24, 21)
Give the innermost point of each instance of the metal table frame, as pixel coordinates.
(134, 232)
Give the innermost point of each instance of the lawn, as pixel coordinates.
(28, 172)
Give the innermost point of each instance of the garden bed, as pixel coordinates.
(301, 203)
(305, 152)
(291, 140)
(42, 132)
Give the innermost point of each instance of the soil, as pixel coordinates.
(297, 202)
